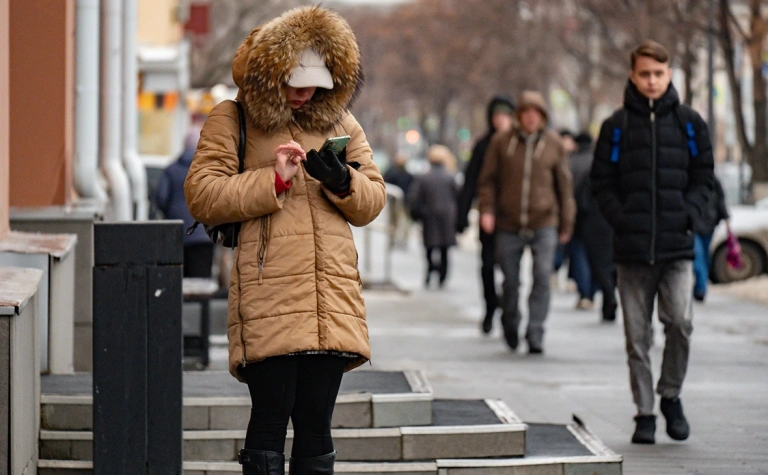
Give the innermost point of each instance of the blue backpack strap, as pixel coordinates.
(616, 137)
(688, 130)
(616, 142)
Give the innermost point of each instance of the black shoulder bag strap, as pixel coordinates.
(240, 158)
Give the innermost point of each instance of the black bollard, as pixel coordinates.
(137, 348)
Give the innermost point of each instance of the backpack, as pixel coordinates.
(684, 116)
(228, 233)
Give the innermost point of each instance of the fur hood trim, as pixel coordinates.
(263, 64)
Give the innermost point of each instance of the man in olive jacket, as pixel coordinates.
(650, 177)
(525, 197)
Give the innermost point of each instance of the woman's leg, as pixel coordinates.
(272, 384)
(443, 269)
(430, 264)
(317, 385)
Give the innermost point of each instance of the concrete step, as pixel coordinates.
(460, 429)
(213, 400)
(557, 449)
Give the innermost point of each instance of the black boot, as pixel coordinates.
(510, 333)
(488, 320)
(677, 426)
(261, 462)
(645, 430)
(609, 311)
(322, 465)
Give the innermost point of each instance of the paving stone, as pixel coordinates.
(195, 418)
(556, 469)
(355, 415)
(406, 410)
(371, 444)
(592, 468)
(82, 450)
(470, 442)
(66, 417)
(209, 449)
(229, 417)
(55, 449)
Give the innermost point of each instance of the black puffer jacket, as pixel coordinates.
(472, 172)
(653, 190)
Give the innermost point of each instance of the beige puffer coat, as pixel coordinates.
(295, 285)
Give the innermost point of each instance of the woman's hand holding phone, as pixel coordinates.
(289, 155)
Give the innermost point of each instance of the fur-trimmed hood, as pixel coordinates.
(263, 64)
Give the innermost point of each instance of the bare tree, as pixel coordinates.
(211, 60)
(753, 38)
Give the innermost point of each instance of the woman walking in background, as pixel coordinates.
(296, 311)
(703, 229)
(433, 200)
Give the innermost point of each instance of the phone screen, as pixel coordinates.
(336, 144)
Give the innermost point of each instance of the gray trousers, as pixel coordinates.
(639, 285)
(509, 252)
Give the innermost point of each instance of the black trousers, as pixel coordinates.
(440, 266)
(488, 259)
(302, 388)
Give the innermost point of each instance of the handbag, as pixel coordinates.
(228, 233)
(733, 256)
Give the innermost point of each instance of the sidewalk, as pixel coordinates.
(583, 370)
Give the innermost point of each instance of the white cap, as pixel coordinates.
(311, 72)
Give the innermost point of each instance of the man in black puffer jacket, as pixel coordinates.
(651, 176)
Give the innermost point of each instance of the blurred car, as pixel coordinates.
(750, 225)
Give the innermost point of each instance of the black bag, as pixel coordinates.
(227, 233)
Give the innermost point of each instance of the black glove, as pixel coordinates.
(330, 170)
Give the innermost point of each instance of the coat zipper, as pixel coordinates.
(265, 222)
(239, 314)
(530, 157)
(653, 183)
(526, 188)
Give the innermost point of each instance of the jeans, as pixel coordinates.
(509, 251)
(701, 262)
(302, 388)
(579, 270)
(639, 285)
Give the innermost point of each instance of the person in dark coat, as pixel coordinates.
(169, 199)
(651, 177)
(501, 112)
(579, 162)
(592, 231)
(433, 197)
(397, 174)
(704, 228)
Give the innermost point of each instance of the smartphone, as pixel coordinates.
(336, 144)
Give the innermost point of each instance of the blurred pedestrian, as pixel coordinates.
(296, 311)
(434, 197)
(562, 252)
(399, 176)
(651, 176)
(580, 162)
(704, 227)
(169, 199)
(526, 199)
(594, 233)
(500, 116)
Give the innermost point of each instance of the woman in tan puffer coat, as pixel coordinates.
(296, 311)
